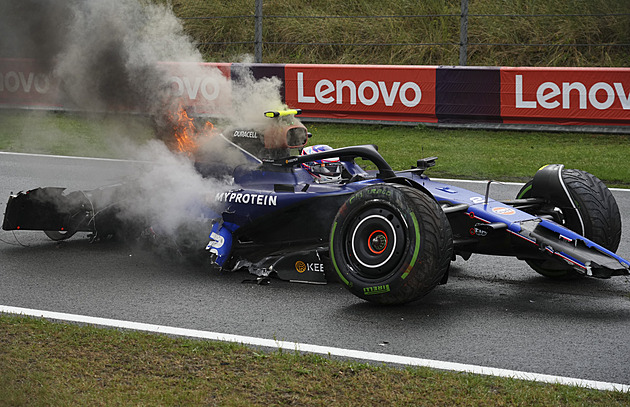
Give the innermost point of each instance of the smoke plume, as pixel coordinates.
(116, 55)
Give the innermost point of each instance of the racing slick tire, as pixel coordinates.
(597, 209)
(390, 244)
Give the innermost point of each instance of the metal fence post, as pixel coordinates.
(463, 34)
(258, 33)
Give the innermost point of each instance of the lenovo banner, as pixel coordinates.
(23, 83)
(417, 94)
(201, 88)
(396, 93)
(566, 95)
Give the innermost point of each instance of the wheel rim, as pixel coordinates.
(377, 242)
(374, 241)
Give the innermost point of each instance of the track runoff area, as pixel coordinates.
(309, 348)
(316, 349)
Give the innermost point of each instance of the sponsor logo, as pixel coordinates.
(366, 93)
(373, 191)
(499, 210)
(192, 87)
(201, 85)
(246, 133)
(26, 82)
(551, 95)
(302, 267)
(377, 289)
(476, 231)
(247, 198)
(377, 191)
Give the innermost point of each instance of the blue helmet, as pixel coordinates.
(326, 170)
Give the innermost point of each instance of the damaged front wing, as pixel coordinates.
(559, 243)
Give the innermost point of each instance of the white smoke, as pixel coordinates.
(252, 98)
(170, 192)
(116, 55)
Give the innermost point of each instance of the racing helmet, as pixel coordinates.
(326, 170)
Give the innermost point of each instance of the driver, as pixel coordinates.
(326, 170)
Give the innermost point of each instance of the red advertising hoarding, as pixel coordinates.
(373, 92)
(25, 84)
(204, 87)
(429, 94)
(566, 95)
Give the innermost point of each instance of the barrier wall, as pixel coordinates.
(24, 84)
(422, 94)
(566, 95)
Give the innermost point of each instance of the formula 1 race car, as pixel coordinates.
(388, 236)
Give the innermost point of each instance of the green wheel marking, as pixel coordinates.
(378, 289)
(416, 249)
(525, 191)
(332, 256)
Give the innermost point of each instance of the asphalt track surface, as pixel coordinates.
(494, 311)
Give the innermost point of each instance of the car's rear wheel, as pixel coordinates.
(58, 235)
(390, 244)
(596, 217)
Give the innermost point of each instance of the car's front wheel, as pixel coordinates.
(596, 216)
(390, 244)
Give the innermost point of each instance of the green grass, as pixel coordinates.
(482, 154)
(531, 27)
(469, 154)
(67, 134)
(53, 364)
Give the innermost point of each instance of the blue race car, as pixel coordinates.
(388, 236)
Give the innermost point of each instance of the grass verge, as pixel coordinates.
(68, 134)
(469, 154)
(482, 154)
(46, 363)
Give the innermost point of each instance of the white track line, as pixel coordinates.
(474, 181)
(477, 181)
(118, 160)
(65, 156)
(322, 350)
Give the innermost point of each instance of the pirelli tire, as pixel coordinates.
(599, 217)
(390, 244)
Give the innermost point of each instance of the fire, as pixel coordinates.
(186, 134)
(184, 131)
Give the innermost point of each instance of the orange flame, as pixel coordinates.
(185, 132)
